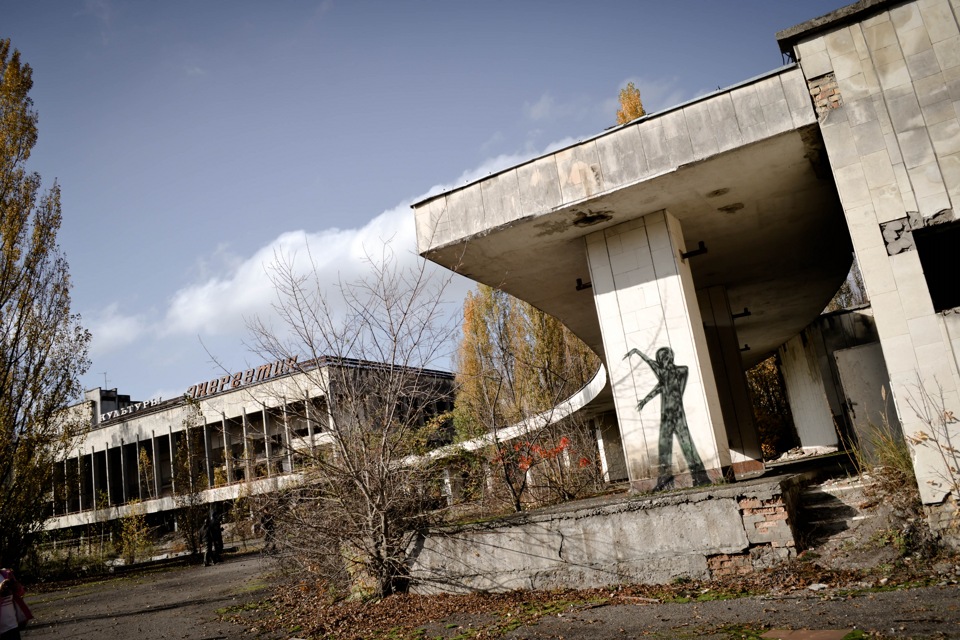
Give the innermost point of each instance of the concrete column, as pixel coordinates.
(173, 461)
(186, 434)
(79, 482)
(156, 463)
(806, 392)
(247, 447)
(139, 471)
(123, 474)
(207, 453)
(106, 467)
(663, 385)
(746, 458)
(307, 412)
(93, 475)
(266, 438)
(227, 453)
(286, 432)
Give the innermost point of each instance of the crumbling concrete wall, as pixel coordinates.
(693, 534)
(884, 77)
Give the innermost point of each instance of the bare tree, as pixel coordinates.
(373, 402)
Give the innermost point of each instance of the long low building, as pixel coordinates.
(242, 433)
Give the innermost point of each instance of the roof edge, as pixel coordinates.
(844, 15)
(608, 131)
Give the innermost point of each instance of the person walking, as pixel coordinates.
(14, 612)
(206, 539)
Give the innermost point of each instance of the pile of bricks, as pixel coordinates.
(766, 521)
(825, 93)
(726, 564)
(944, 519)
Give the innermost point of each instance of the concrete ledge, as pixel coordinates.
(650, 539)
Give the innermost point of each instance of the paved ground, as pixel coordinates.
(183, 602)
(180, 602)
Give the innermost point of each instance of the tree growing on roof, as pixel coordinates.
(43, 347)
(363, 495)
(631, 107)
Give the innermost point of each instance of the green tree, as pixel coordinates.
(43, 347)
(631, 106)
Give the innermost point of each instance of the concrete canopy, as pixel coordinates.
(742, 170)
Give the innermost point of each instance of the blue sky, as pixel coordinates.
(191, 140)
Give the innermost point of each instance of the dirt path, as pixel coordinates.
(182, 603)
(177, 602)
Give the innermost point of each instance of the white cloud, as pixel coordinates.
(229, 290)
(548, 108)
(113, 330)
(195, 71)
(541, 109)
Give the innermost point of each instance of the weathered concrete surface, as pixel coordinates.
(696, 534)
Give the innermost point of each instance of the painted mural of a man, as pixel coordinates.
(671, 383)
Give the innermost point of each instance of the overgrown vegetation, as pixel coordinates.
(771, 410)
(362, 497)
(515, 364)
(190, 479)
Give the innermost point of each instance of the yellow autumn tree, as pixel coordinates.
(43, 347)
(515, 361)
(631, 106)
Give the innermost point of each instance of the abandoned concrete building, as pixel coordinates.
(240, 434)
(690, 244)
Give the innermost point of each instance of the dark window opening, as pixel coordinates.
(939, 249)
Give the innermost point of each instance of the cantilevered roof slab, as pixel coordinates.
(743, 170)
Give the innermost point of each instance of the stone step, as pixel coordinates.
(833, 509)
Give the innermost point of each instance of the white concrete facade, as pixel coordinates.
(857, 146)
(893, 138)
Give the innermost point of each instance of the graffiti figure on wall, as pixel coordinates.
(671, 383)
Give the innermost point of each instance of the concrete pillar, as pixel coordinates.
(746, 458)
(307, 412)
(106, 466)
(247, 447)
(663, 386)
(125, 495)
(266, 438)
(156, 463)
(227, 453)
(610, 447)
(207, 453)
(93, 475)
(186, 435)
(173, 460)
(139, 471)
(289, 442)
(79, 482)
(806, 392)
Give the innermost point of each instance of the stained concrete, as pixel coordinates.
(650, 539)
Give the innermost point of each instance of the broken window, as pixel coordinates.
(938, 247)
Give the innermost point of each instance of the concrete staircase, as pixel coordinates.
(832, 511)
